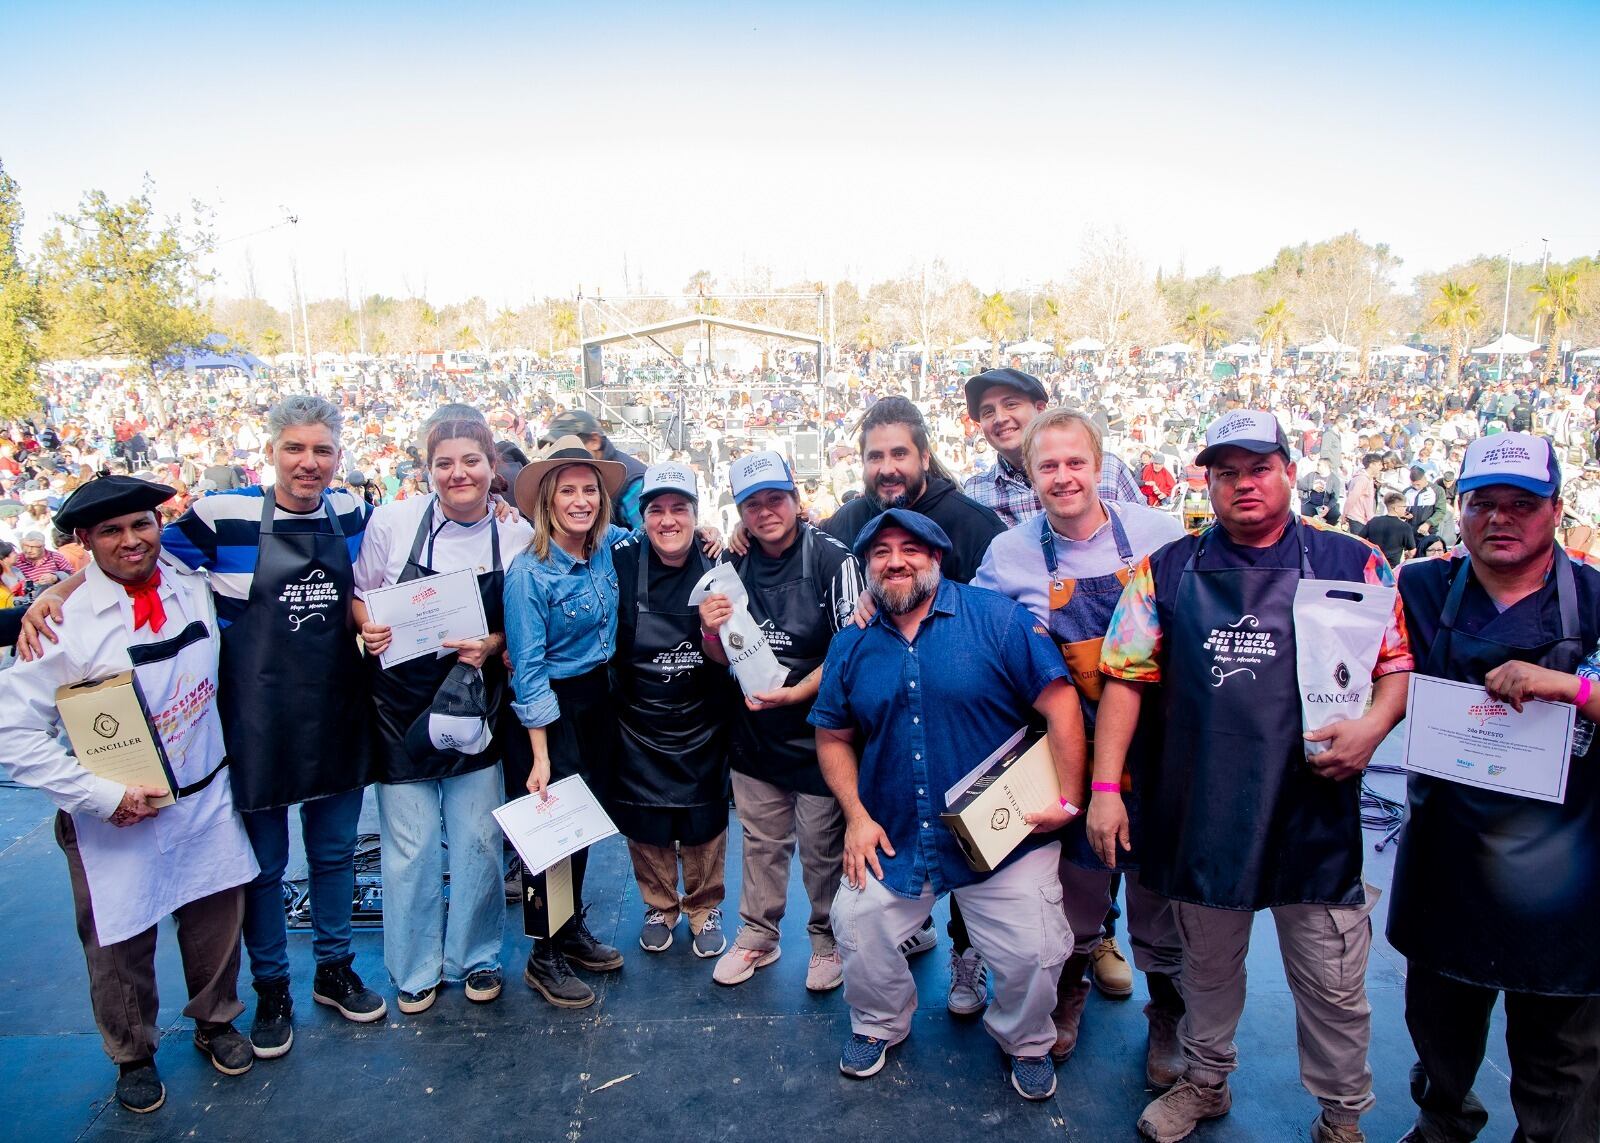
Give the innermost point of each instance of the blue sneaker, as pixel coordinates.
(1034, 1077)
(863, 1056)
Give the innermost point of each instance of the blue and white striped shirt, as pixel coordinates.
(221, 533)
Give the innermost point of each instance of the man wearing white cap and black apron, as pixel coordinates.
(1237, 817)
(131, 863)
(669, 794)
(803, 587)
(1496, 892)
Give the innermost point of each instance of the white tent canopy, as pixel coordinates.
(1595, 352)
(1239, 349)
(1085, 345)
(1173, 349)
(1400, 351)
(1327, 345)
(915, 347)
(973, 345)
(1507, 343)
(1031, 347)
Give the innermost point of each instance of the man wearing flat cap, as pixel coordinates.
(133, 855)
(939, 679)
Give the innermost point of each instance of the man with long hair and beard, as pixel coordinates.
(940, 676)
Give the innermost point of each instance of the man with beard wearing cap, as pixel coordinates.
(1003, 402)
(134, 855)
(582, 424)
(1238, 817)
(900, 471)
(942, 675)
(1495, 892)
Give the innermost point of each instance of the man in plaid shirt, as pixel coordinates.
(1002, 402)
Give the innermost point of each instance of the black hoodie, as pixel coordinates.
(970, 525)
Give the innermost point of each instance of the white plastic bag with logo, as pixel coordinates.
(749, 654)
(1338, 631)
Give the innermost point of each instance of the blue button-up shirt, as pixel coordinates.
(926, 712)
(561, 621)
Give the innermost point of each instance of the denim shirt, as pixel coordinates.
(926, 711)
(561, 621)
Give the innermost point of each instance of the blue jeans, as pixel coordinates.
(328, 826)
(421, 945)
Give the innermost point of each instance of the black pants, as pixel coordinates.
(1553, 1043)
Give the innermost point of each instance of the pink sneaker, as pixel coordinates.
(826, 972)
(739, 964)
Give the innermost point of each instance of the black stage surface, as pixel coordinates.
(664, 1055)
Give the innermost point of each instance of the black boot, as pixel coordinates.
(272, 1030)
(1163, 1057)
(581, 947)
(139, 1087)
(549, 974)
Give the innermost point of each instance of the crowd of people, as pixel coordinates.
(958, 568)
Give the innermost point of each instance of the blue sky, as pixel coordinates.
(517, 150)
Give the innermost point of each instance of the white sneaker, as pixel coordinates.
(739, 964)
(969, 983)
(925, 939)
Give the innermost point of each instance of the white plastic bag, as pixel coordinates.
(749, 654)
(1338, 631)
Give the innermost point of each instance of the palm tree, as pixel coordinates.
(1273, 326)
(1204, 323)
(563, 325)
(1457, 311)
(996, 317)
(1558, 302)
(270, 341)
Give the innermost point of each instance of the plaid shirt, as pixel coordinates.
(1008, 492)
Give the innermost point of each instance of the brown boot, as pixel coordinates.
(1072, 992)
(1163, 1057)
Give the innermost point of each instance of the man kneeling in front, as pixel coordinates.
(941, 677)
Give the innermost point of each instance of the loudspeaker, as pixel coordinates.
(807, 454)
(593, 366)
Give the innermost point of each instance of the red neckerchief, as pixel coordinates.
(147, 608)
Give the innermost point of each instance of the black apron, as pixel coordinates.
(778, 745)
(1235, 818)
(404, 691)
(1489, 888)
(1080, 616)
(673, 714)
(291, 683)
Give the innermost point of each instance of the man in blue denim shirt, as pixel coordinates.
(892, 738)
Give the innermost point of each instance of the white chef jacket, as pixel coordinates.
(137, 874)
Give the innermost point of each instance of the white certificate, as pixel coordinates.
(425, 613)
(1457, 732)
(546, 831)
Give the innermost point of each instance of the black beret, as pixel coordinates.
(109, 497)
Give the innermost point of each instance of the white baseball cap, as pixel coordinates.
(667, 477)
(1518, 459)
(1254, 430)
(758, 472)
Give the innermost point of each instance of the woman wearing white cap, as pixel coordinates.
(802, 586)
(431, 762)
(669, 795)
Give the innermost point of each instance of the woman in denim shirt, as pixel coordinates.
(561, 628)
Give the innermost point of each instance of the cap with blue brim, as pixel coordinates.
(1521, 460)
(759, 472)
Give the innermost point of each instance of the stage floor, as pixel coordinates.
(664, 1055)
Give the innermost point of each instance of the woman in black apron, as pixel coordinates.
(561, 625)
(1499, 893)
(436, 756)
(669, 795)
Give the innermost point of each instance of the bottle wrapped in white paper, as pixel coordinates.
(743, 640)
(1338, 632)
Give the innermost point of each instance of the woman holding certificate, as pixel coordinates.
(561, 626)
(437, 756)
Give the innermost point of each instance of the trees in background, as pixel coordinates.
(1558, 303)
(22, 313)
(1456, 310)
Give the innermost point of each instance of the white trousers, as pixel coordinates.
(1015, 919)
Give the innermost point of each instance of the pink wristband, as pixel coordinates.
(1070, 808)
(1106, 787)
(1585, 685)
